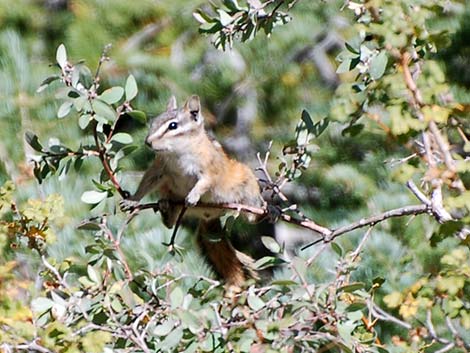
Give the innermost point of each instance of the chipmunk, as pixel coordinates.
(191, 167)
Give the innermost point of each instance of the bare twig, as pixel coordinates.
(446, 348)
(384, 316)
(371, 221)
(432, 330)
(418, 193)
(117, 246)
(354, 255)
(55, 272)
(327, 234)
(31, 347)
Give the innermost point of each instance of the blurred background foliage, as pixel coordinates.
(251, 94)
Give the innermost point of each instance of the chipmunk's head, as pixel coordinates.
(172, 130)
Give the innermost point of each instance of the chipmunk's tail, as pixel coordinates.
(232, 265)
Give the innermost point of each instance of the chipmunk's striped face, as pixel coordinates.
(169, 131)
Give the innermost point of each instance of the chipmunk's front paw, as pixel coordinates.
(192, 198)
(128, 205)
(274, 213)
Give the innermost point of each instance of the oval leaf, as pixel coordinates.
(33, 141)
(61, 56)
(138, 115)
(46, 82)
(112, 95)
(131, 88)
(378, 65)
(64, 109)
(41, 304)
(271, 244)
(123, 138)
(255, 303)
(104, 109)
(93, 197)
(307, 120)
(84, 120)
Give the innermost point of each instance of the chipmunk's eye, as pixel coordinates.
(173, 125)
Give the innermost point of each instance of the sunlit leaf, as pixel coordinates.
(131, 88)
(93, 197)
(64, 109)
(378, 65)
(61, 56)
(122, 137)
(112, 95)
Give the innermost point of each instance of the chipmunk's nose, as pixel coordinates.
(147, 142)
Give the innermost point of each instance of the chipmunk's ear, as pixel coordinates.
(193, 105)
(172, 105)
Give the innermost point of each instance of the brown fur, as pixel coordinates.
(192, 167)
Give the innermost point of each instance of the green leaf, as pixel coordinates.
(112, 95)
(225, 18)
(84, 120)
(345, 330)
(201, 16)
(307, 120)
(40, 305)
(33, 141)
(122, 137)
(80, 102)
(284, 282)
(93, 275)
(353, 130)
(267, 261)
(61, 56)
(64, 109)
(255, 302)
(104, 110)
(337, 248)
(354, 307)
(344, 66)
(88, 225)
(131, 88)
(171, 341)
(271, 244)
(138, 115)
(46, 82)
(232, 5)
(378, 281)
(351, 48)
(93, 197)
(165, 328)
(378, 65)
(351, 287)
(176, 298)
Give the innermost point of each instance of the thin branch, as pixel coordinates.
(55, 272)
(432, 330)
(327, 234)
(418, 193)
(262, 212)
(384, 316)
(371, 221)
(31, 347)
(117, 246)
(446, 348)
(443, 146)
(355, 253)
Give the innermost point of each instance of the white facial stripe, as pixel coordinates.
(161, 130)
(179, 130)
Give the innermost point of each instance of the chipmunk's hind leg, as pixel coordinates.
(232, 265)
